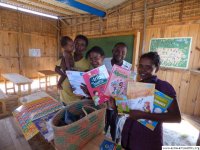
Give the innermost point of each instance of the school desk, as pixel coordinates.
(18, 80)
(46, 74)
(33, 97)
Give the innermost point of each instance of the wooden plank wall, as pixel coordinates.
(163, 19)
(18, 33)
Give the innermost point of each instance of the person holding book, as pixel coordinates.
(135, 136)
(79, 63)
(81, 43)
(96, 56)
(119, 54)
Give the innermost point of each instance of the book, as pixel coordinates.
(161, 104)
(96, 80)
(140, 96)
(28, 112)
(122, 104)
(44, 126)
(109, 145)
(117, 82)
(75, 80)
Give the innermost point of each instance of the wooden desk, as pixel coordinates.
(46, 74)
(18, 80)
(33, 97)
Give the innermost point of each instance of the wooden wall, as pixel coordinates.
(18, 33)
(170, 18)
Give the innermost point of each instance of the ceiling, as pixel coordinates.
(66, 7)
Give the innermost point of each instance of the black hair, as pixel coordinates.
(82, 37)
(121, 44)
(153, 56)
(95, 49)
(64, 40)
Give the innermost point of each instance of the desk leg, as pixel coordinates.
(14, 88)
(56, 79)
(29, 88)
(19, 90)
(5, 82)
(46, 82)
(39, 81)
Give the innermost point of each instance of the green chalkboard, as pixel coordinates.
(174, 52)
(107, 44)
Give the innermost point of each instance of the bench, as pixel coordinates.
(195, 121)
(46, 74)
(18, 80)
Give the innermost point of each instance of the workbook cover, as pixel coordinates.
(161, 104)
(43, 124)
(27, 113)
(117, 83)
(122, 104)
(140, 96)
(96, 81)
(76, 79)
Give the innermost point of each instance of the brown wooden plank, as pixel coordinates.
(196, 49)
(192, 95)
(169, 76)
(183, 94)
(197, 106)
(176, 82)
(193, 32)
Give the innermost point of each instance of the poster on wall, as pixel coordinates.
(34, 52)
(174, 52)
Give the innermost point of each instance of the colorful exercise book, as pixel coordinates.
(96, 81)
(122, 104)
(117, 83)
(108, 145)
(27, 113)
(44, 126)
(161, 104)
(76, 80)
(140, 96)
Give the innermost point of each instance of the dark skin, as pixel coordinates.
(146, 70)
(80, 48)
(119, 54)
(67, 63)
(96, 60)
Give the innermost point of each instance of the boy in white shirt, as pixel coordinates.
(119, 53)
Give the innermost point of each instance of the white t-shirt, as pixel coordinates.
(107, 63)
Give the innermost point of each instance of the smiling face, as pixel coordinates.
(146, 68)
(96, 59)
(119, 53)
(80, 45)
